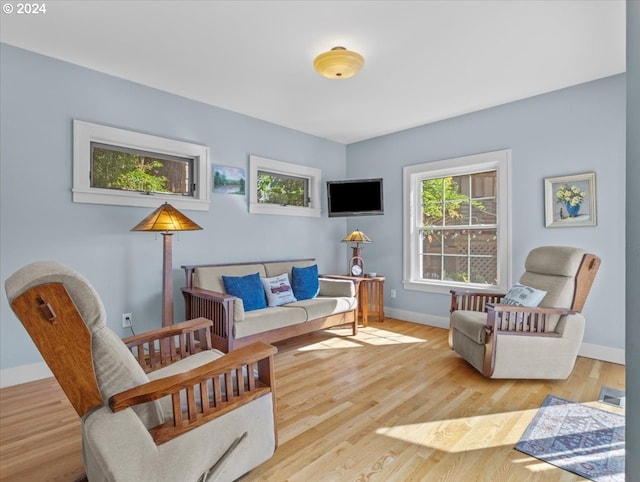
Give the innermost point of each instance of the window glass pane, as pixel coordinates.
(484, 270)
(132, 170)
(432, 214)
(468, 255)
(459, 187)
(455, 269)
(432, 202)
(483, 242)
(457, 213)
(484, 184)
(484, 265)
(283, 190)
(431, 268)
(432, 241)
(483, 198)
(455, 242)
(483, 211)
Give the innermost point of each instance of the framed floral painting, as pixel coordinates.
(570, 201)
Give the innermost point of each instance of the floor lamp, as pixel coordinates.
(167, 220)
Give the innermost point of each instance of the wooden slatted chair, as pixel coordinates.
(159, 406)
(506, 341)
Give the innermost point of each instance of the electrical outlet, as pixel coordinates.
(393, 293)
(127, 318)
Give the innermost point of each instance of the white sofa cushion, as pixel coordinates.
(210, 277)
(277, 267)
(321, 306)
(265, 319)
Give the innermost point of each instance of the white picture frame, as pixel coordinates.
(570, 201)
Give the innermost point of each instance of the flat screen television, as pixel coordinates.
(355, 197)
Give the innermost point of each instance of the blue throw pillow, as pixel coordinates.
(304, 282)
(249, 288)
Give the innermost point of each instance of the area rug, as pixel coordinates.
(575, 437)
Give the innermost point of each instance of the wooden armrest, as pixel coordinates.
(478, 293)
(157, 348)
(204, 407)
(525, 309)
(169, 331)
(208, 294)
(521, 319)
(473, 300)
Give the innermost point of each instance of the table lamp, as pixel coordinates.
(356, 263)
(166, 219)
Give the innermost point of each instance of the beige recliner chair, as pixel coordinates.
(200, 415)
(511, 341)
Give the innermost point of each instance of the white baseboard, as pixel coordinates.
(38, 371)
(422, 318)
(24, 374)
(601, 352)
(588, 350)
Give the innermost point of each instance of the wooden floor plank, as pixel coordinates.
(391, 404)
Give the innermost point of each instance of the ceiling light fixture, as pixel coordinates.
(338, 63)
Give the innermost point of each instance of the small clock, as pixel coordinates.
(356, 266)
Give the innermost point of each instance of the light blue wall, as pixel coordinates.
(575, 130)
(570, 131)
(633, 240)
(40, 98)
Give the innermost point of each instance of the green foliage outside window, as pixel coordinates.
(282, 190)
(443, 203)
(114, 167)
(142, 179)
(127, 171)
(453, 251)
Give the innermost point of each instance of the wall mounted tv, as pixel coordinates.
(355, 197)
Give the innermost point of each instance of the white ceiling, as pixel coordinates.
(424, 60)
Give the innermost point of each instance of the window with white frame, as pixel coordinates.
(121, 167)
(456, 229)
(277, 187)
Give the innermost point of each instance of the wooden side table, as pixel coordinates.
(370, 294)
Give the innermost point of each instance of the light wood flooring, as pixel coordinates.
(392, 404)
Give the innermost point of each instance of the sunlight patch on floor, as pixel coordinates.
(464, 434)
(376, 336)
(366, 335)
(331, 344)
(534, 466)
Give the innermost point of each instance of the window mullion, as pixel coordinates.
(469, 187)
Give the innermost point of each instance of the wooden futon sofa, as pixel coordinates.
(334, 304)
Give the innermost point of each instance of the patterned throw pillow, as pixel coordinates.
(305, 282)
(521, 295)
(248, 288)
(278, 290)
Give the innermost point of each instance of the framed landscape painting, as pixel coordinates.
(570, 201)
(228, 180)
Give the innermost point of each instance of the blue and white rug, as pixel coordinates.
(575, 437)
